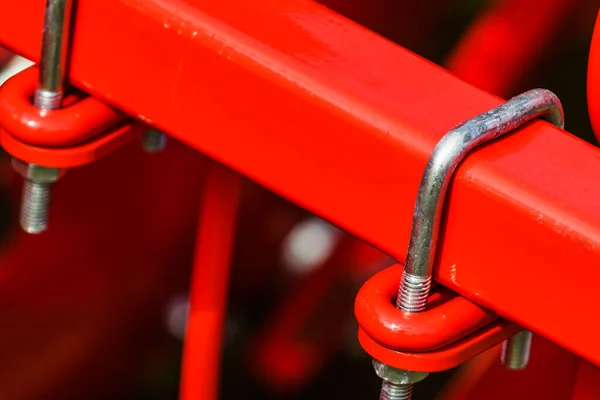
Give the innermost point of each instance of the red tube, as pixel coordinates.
(593, 80)
(210, 276)
(504, 44)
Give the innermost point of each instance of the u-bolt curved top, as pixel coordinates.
(450, 150)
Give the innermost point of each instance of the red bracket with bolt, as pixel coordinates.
(413, 296)
(448, 318)
(83, 131)
(449, 332)
(44, 142)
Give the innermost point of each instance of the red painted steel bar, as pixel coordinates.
(342, 121)
(506, 41)
(593, 80)
(210, 280)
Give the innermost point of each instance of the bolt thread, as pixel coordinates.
(516, 351)
(394, 391)
(413, 292)
(47, 100)
(34, 206)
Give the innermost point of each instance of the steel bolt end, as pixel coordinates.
(35, 204)
(392, 391)
(516, 351)
(47, 100)
(413, 293)
(154, 141)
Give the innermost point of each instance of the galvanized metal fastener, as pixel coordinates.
(415, 283)
(516, 351)
(397, 383)
(154, 141)
(35, 201)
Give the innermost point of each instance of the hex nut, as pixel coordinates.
(154, 141)
(37, 173)
(397, 376)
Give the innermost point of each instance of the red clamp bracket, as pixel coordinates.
(449, 332)
(423, 333)
(83, 131)
(448, 317)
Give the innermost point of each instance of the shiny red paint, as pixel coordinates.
(342, 121)
(446, 357)
(77, 155)
(210, 280)
(593, 80)
(448, 317)
(73, 124)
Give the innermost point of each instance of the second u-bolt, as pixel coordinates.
(35, 200)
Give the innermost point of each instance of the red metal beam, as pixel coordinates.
(342, 121)
(200, 375)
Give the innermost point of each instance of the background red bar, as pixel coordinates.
(202, 349)
(341, 121)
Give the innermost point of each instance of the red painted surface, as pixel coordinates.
(78, 155)
(593, 79)
(446, 357)
(78, 121)
(447, 319)
(321, 110)
(210, 281)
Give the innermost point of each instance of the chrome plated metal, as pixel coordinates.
(53, 61)
(448, 153)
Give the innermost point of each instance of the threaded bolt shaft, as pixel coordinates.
(35, 206)
(394, 391)
(413, 293)
(47, 100)
(516, 350)
(412, 297)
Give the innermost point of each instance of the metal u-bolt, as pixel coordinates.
(415, 283)
(35, 200)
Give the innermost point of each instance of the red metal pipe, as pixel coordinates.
(593, 80)
(341, 121)
(210, 278)
(504, 43)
